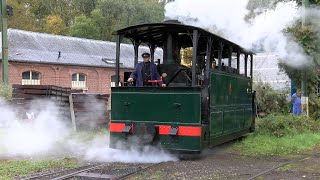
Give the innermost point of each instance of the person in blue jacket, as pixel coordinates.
(144, 72)
(296, 103)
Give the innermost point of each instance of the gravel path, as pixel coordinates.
(223, 163)
(308, 168)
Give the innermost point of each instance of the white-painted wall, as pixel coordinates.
(266, 70)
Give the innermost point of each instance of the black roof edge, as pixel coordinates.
(66, 64)
(122, 31)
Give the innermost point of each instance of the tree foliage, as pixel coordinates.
(23, 18)
(270, 100)
(287, 125)
(84, 27)
(54, 25)
(5, 91)
(308, 36)
(95, 19)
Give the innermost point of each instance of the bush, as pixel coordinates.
(314, 106)
(5, 91)
(266, 145)
(281, 135)
(284, 125)
(270, 100)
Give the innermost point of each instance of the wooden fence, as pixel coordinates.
(82, 110)
(89, 111)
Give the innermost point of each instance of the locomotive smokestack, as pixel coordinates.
(169, 49)
(170, 45)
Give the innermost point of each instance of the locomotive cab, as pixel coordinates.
(204, 103)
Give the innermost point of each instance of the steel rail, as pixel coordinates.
(67, 176)
(140, 170)
(120, 177)
(284, 164)
(56, 173)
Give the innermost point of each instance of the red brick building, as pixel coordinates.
(44, 59)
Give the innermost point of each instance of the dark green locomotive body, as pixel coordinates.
(174, 114)
(163, 109)
(204, 104)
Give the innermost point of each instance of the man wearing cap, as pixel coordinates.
(144, 72)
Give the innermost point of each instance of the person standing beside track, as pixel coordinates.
(144, 72)
(296, 103)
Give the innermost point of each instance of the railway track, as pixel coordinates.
(282, 165)
(52, 175)
(107, 171)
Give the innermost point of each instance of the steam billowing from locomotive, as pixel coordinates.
(42, 133)
(263, 31)
(314, 18)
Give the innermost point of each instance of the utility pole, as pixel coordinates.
(4, 25)
(305, 99)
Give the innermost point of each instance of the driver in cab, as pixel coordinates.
(145, 72)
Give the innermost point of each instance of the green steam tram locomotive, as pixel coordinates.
(208, 99)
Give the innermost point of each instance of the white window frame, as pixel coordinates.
(79, 84)
(30, 81)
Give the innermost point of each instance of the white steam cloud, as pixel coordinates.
(228, 19)
(21, 137)
(98, 151)
(47, 135)
(314, 18)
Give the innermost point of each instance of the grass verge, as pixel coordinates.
(5, 91)
(262, 144)
(279, 135)
(10, 169)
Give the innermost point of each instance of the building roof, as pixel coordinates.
(156, 33)
(34, 47)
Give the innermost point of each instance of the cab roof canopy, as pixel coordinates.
(156, 34)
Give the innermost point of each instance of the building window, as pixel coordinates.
(30, 78)
(78, 81)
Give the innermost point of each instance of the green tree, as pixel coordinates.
(112, 12)
(39, 8)
(141, 11)
(54, 25)
(22, 18)
(64, 8)
(43, 8)
(5, 91)
(308, 37)
(84, 27)
(100, 23)
(105, 16)
(85, 6)
(120, 14)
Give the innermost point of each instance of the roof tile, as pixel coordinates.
(25, 46)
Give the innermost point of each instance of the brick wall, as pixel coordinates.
(98, 79)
